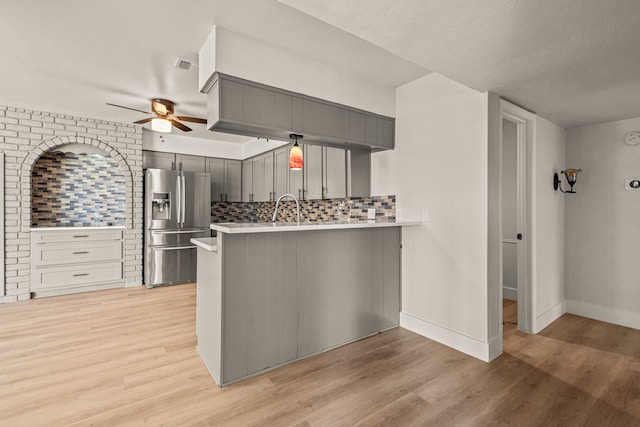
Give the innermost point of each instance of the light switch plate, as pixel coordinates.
(371, 213)
(426, 215)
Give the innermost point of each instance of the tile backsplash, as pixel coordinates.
(352, 208)
(77, 190)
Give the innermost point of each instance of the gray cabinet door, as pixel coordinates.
(335, 173)
(231, 100)
(277, 109)
(281, 171)
(334, 121)
(158, 160)
(258, 179)
(357, 125)
(385, 133)
(268, 175)
(247, 180)
(371, 130)
(311, 117)
(215, 167)
(313, 172)
(190, 163)
(233, 180)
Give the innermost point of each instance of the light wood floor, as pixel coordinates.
(126, 357)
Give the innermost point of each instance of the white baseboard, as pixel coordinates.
(455, 340)
(510, 293)
(549, 316)
(629, 319)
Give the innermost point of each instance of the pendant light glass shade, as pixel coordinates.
(296, 162)
(161, 125)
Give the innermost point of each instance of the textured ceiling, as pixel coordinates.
(72, 56)
(574, 62)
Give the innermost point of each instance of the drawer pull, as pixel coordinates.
(80, 274)
(80, 253)
(80, 235)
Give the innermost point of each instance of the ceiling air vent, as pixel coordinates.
(183, 64)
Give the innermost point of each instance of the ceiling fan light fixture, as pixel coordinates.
(161, 125)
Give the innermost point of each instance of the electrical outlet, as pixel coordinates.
(371, 213)
(398, 214)
(426, 215)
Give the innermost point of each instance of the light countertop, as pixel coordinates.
(268, 227)
(83, 227)
(208, 243)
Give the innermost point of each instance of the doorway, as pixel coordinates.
(516, 231)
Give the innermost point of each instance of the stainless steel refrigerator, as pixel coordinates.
(177, 208)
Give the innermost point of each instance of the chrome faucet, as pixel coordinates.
(275, 212)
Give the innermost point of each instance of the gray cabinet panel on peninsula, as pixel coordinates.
(302, 293)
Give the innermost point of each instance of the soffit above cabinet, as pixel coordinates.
(242, 107)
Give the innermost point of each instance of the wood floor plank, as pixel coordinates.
(127, 357)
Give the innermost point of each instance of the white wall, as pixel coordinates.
(603, 225)
(440, 164)
(548, 224)
(239, 55)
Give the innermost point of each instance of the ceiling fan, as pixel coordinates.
(164, 118)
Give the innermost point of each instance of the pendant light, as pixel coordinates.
(295, 155)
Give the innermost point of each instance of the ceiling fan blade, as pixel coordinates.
(180, 125)
(139, 122)
(191, 119)
(128, 108)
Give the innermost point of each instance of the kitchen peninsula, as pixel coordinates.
(272, 293)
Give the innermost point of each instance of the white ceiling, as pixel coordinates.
(73, 56)
(574, 62)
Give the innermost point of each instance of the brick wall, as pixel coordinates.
(24, 136)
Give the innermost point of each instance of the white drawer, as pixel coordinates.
(79, 235)
(72, 276)
(69, 253)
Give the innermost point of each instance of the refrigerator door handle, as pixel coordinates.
(174, 248)
(184, 202)
(178, 200)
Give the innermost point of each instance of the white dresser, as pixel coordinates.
(76, 259)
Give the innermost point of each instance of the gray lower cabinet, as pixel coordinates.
(226, 179)
(301, 294)
(84, 259)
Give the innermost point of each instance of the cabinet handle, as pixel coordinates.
(221, 197)
(299, 194)
(173, 166)
(80, 274)
(226, 197)
(81, 253)
(80, 235)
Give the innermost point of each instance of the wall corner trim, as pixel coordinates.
(630, 319)
(549, 316)
(455, 340)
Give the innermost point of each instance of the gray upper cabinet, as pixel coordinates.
(226, 179)
(248, 108)
(247, 180)
(158, 160)
(233, 180)
(262, 178)
(335, 173)
(313, 182)
(281, 171)
(189, 163)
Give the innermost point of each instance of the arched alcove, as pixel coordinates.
(77, 185)
(52, 145)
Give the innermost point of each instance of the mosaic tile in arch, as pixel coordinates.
(70, 189)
